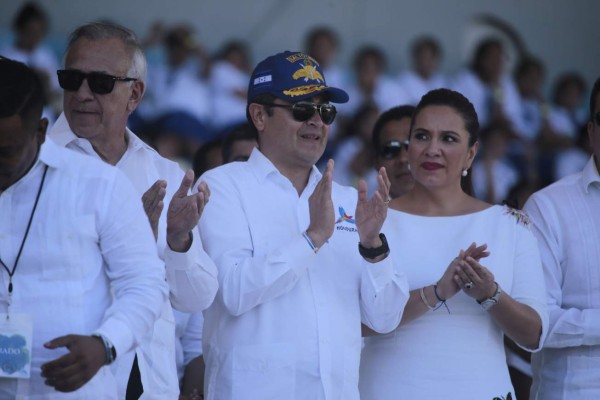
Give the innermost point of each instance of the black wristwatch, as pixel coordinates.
(371, 253)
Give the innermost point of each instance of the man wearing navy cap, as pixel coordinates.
(293, 287)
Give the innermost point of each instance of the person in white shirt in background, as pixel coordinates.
(286, 322)
(30, 26)
(424, 75)
(493, 175)
(488, 85)
(77, 255)
(566, 221)
(371, 83)
(228, 82)
(104, 81)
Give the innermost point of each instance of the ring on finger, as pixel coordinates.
(469, 285)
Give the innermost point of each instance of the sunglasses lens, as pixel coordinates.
(597, 118)
(101, 83)
(328, 113)
(303, 111)
(390, 152)
(70, 80)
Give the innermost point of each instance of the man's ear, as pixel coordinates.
(258, 115)
(137, 92)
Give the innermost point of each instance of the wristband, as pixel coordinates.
(310, 242)
(375, 251)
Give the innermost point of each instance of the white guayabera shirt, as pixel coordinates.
(566, 220)
(192, 276)
(286, 322)
(81, 271)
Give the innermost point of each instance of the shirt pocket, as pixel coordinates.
(70, 252)
(264, 371)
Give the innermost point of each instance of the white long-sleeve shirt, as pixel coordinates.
(286, 322)
(566, 220)
(79, 250)
(192, 276)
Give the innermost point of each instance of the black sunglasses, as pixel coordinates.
(597, 118)
(391, 149)
(99, 83)
(303, 111)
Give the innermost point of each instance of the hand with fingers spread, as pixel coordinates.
(73, 370)
(447, 285)
(153, 201)
(184, 212)
(371, 213)
(475, 280)
(320, 205)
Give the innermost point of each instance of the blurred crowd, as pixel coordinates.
(195, 99)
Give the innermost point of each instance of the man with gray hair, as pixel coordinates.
(104, 82)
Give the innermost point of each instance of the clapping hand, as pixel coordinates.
(475, 280)
(320, 205)
(448, 286)
(184, 212)
(371, 213)
(153, 201)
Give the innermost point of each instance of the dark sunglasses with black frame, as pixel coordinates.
(99, 83)
(392, 149)
(304, 110)
(597, 118)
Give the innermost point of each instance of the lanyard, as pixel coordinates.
(11, 273)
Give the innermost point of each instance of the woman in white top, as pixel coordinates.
(448, 345)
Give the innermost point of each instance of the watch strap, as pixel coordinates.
(374, 252)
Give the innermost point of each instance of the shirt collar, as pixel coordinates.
(63, 136)
(263, 168)
(589, 175)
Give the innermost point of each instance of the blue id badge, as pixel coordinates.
(15, 345)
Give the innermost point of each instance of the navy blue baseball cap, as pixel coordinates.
(292, 76)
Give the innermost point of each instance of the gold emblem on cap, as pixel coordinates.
(302, 90)
(308, 72)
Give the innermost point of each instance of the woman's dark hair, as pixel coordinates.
(460, 104)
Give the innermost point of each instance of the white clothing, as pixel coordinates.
(191, 275)
(566, 123)
(172, 90)
(566, 221)
(343, 157)
(460, 354)
(531, 117)
(188, 331)
(226, 81)
(482, 97)
(387, 94)
(79, 250)
(505, 177)
(286, 322)
(415, 86)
